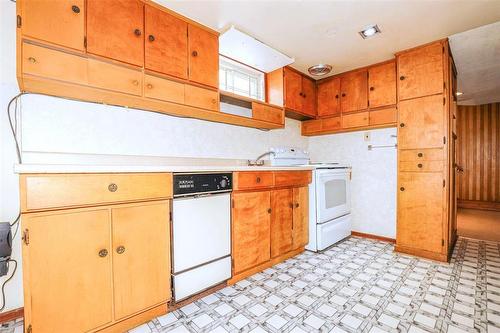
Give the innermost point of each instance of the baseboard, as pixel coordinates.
(372, 236)
(477, 204)
(11, 315)
(422, 253)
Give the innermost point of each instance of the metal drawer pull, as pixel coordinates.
(103, 253)
(151, 38)
(120, 249)
(420, 154)
(401, 188)
(137, 32)
(112, 187)
(402, 125)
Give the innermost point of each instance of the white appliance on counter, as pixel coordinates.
(201, 232)
(329, 197)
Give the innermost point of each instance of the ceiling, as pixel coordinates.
(315, 32)
(477, 57)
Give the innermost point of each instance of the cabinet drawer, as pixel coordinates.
(202, 98)
(421, 155)
(423, 166)
(268, 113)
(53, 64)
(384, 116)
(40, 192)
(253, 180)
(355, 120)
(311, 126)
(330, 124)
(292, 178)
(163, 89)
(116, 78)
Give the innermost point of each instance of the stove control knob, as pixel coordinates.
(223, 183)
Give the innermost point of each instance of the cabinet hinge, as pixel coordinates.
(444, 100)
(19, 21)
(26, 236)
(368, 103)
(442, 242)
(29, 329)
(444, 183)
(444, 85)
(444, 140)
(85, 42)
(170, 216)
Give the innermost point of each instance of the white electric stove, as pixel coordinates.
(329, 197)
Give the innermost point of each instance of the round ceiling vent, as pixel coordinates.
(319, 70)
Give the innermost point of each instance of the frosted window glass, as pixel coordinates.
(335, 193)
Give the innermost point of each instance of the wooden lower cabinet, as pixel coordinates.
(300, 217)
(281, 221)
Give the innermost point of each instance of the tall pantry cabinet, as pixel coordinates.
(426, 219)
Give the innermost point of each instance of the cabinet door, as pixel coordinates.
(420, 210)
(300, 217)
(67, 267)
(115, 30)
(203, 56)
(421, 72)
(141, 257)
(165, 43)
(281, 221)
(251, 229)
(354, 87)
(55, 21)
(382, 85)
(309, 97)
(421, 123)
(329, 98)
(293, 90)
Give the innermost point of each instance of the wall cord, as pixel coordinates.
(5, 282)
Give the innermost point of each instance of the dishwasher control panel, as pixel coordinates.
(201, 183)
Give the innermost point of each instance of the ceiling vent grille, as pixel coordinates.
(319, 70)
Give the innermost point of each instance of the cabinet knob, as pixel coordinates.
(291, 204)
(402, 125)
(304, 95)
(137, 32)
(103, 253)
(194, 53)
(135, 83)
(301, 94)
(32, 60)
(149, 86)
(297, 205)
(112, 187)
(372, 88)
(401, 188)
(402, 77)
(337, 96)
(343, 94)
(419, 165)
(257, 180)
(420, 154)
(151, 38)
(269, 210)
(75, 9)
(120, 249)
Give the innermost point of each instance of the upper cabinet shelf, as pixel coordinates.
(132, 53)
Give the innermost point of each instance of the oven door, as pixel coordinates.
(333, 194)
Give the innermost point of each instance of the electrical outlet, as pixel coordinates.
(367, 136)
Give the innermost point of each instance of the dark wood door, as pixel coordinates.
(309, 97)
(203, 56)
(293, 90)
(115, 30)
(166, 43)
(281, 221)
(354, 91)
(329, 98)
(382, 85)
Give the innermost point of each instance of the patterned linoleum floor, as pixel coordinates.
(358, 285)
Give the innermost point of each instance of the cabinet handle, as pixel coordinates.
(149, 86)
(257, 180)
(401, 188)
(137, 32)
(135, 83)
(120, 249)
(402, 77)
(194, 53)
(75, 9)
(337, 96)
(372, 88)
(297, 205)
(343, 94)
(402, 125)
(151, 38)
(103, 253)
(301, 94)
(32, 60)
(112, 187)
(419, 165)
(269, 210)
(420, 154)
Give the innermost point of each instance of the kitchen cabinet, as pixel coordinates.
(308, 97)
(105, 239)
(251, 214)
(293, 89)
(300, 217)
(421, 71)
(59, 22)
(281, 221)
(382, 85)
(115, 30)
(166, 43)
(328, 100)
(203, 48)
(354, 91)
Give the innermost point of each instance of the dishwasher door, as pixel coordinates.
(201, 230)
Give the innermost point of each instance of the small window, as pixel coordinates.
(240, 79)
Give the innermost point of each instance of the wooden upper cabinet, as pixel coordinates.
(166, 43)
(293, 89)
(308, 96)
(300, 217)
(421, 123)
(115, 30)
(60, 22)
(203, 48)
(354, 91)
(328, 99)
(281, 221)
(421, 71)
(382, 85)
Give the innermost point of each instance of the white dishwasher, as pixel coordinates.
(201, 232)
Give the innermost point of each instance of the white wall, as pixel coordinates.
(373, 176)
